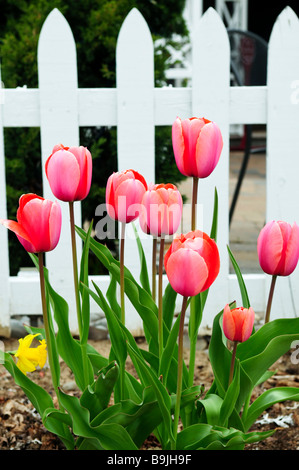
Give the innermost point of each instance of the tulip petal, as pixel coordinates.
(16, 228)
(128, 197)
(228, 323)
(208, 149)
(247, 324)
(178, 145)
(84, 160)
(55, 221)
(292, 251)
(63, 173)
(187, 272)
(269, 247)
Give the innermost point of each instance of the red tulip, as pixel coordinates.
(197, 145)
(192, 263)
(161, 213)
(38, 223)
(69, 172)
(238, 323)
(124, 192)
(278, 248)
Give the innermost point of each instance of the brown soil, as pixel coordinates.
(21, 427)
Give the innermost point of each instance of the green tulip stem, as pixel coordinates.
(194, 203)
(46, 321)
(122, 276)
(193, 339)
(270, 298)
(75, 267)
(232, 364)
(180, 368)
(154, 269)
(160, 297)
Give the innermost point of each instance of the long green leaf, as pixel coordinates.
(54, 347)
(144, 279)
(243, 290)
(139, 297)
(268, 399)
(39, 398)
(110, 436)
(161, 394)
(84, 280)
(97, 396)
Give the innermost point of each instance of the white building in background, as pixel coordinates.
(234, 14)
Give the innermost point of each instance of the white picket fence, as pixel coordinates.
(135, 106)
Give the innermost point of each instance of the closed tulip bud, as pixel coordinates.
(69, 172)
(278, 248)
(124, 193)
(238, 323)
(161, 212)
(192, 263)
(38, 223)
(197, 145)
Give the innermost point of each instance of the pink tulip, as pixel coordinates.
(197, 145)
(161, 213)
(124, 193)
(38, 223)
(278, 248)
(69, 172)
(192, 263)
(238, 323)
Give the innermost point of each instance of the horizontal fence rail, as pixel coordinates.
(136, 107)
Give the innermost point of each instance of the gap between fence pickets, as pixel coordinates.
(275, 105)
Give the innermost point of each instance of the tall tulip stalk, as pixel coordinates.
(160, 216)
(69, 172)
(197, 146)
(124, 192)
(38, 228)
(192, 264)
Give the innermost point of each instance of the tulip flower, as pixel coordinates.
(197, 145)
(192, 263)
(38, 229)
(278, 252)
(278, 248)
(238, 323)
(237, 327)
(69, 172)
(29, 358)
(124, 193)
(38, 223)
(161, 212)
(160, 215)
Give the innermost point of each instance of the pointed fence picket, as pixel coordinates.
(136, 107)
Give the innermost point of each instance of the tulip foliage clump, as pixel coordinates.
(119, 411)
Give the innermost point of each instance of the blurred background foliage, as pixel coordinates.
(95, 25)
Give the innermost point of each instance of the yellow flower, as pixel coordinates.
(30, 358)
